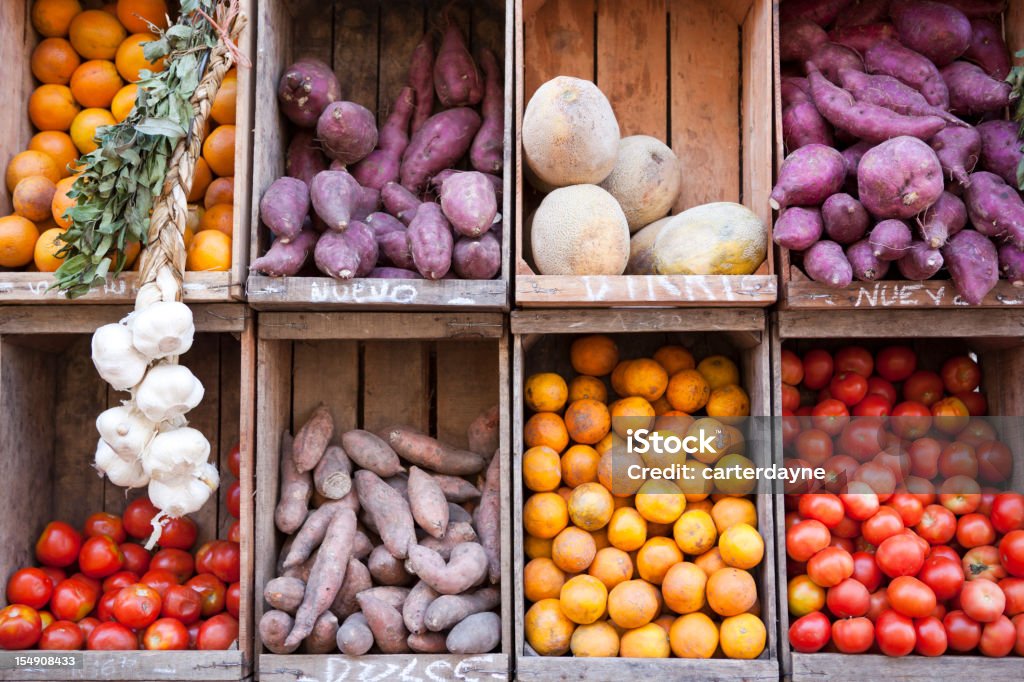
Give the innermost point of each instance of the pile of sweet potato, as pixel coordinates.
(394, 542)
(898, 148)
(390, 203)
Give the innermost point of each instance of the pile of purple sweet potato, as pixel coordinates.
(900, 161)
(390, 203)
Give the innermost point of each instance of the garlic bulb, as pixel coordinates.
(180, 497)
(168, 391)
(164, 328)
(125, 430)
(175, 455)
(115, 357)
(120, 472)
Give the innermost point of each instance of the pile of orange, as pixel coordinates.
(87, 63)
(633, 568)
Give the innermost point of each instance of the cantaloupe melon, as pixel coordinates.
(580, 230)
(570, 134)
(645, 180)
(641, 248)
(714, 239)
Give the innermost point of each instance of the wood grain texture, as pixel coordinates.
(401, 28)
(808, 667)
(355, 51)
(140, 666)
(44, 319)
(380, 325)
(325, 372)
(622, 321)
(543, 669)
(410, 667)
(551, 291)
(464, 394)
(756, 102)
(34, 287)
(558, 41)
(396, 384)
(890, 294)
(292, 293)
(16, 42)
(912, 324)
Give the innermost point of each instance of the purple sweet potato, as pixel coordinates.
(305, 89)
(975, 9)
(821, 12)
(867, 121)
(366, 203)
(973, 92)
(468, 201)
(383, 164)
(852, 155)
(939, 32)
(942, 220)
(487, 154)
(1011, 264)
(394, 247)
(859, 38)
(988, 49)
(382, 223)
(794, 89)
(808, 176)
(457, 79)
(421, 80)
(439, 144)
(825, 262)
(865, 265)
(899, 178)
(304, 160)
(430, 240)
(845, 219)
(496, 181)
(394, 273)
(400, 202)
(1001, 149)
(890, 239)
(920, 261)
(477, 257)
(831, 58)
(803, 125)
(348, 131)
(334, 194)
(863, 12)
(798, 228)
(892, 59)
(284, 207)
(958, 150)
(891, 93)
(335, 256)
(285, 259)
(995, 208)
(973, 263)
(798, 39)
(361, 239)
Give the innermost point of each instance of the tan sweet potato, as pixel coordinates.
(274, 628)
(296, 487)
(370, 452)
(357, 579)
(483, 433)
(478, 634)
(449, 609)
(430, 453)
(466, 567)
(456, 533)
(386, 569)
(456, 489)
(415, 608)
(361, 545)
(324, 636)
(399, 482)
(392, 595)
(354, 635)
(312, 439)
(389, 512)
(427, 502)
(458, 513)
(385, 622)
(284, 594)
(428, 643)
(312, 533)
(487, 519)
(333, 474)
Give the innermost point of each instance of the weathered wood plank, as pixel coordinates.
(543, 669)
(139, 666)
(34, 287)
(400, 666)
(401, 28)
(906, 669)
(396, 385)
(467, 384)
(551, 291)
(43, 319)
(276, 293)
(326, 372)
(757, 103)
(229, 426)
(958, 323)
(558, 41)
(380, 325)
(892, 294)
(629, 321)
(355, 51)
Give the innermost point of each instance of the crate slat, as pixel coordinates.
(141, 666)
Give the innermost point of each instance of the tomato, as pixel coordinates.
(937, 526)
(234, 499)
(58, 545)
(810, 633)
(159, 580)
(848, 387)
(46, 618)
(974, 530)
(137, 517)
(795, 487)
(982, 600)
(62, 635)
(92, 583)
(183, 603)
(995, 461)
(911, 597)
(910, 420)
(931, 636)
(806, 539)
(895, 634)
(790, 427)
(853, 635)
(119, 580)
(924, 457)
(872, 406)
(193, 633)
(960, 495)
(879, 478)
(1018, 623)
(951, 415)
(20, 627)
(958, 459)
(877, 386)
(1013, 590)
(866, 571)
(136, 557)
(73, 599)
(963, 631)
(233, 599)
(1011, 553)
(29, 586)
(847, 599)
(847, 528)
(923, 387)
(883, 525)
(220, 557)
(861, 438)
(100, 557)
(235, 532)
(945, 576)
(105, 608)
(102, 523)
(817, 369)
(977, 432)
(998, 637)
(235, 458)
(920, 488)
(921, 542)
(839, 471)
(218, 633)
(975, 401)
(179, 533)
(824, 507)
(908, 507)
(899, 555)
(830, 566)
(982, 563)
(790, 397)
(960, 373)
(1007, 512)
(165, 634)
(895, 363)
(830, 415)
(137, 605)
(54, 574)
(854, 359)
(112, 637)
(87, 625)
(211, 591)
(175, 561)
(814, 446)
(860, 501)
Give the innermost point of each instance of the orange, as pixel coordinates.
(719, 371)
(124, 101)
(711, 438)
(595, 639)
(674, 359)
(600, 537)
(96, 35)
(52, 107)
(573, 550)
(201, 179)
(662, 406)
(655, 558)
(633, 604)
(587, 387)
(608, 442)
(742, 546)
(545, 392)
(564, 492)
(58, 146)
(611, 566)
(220, 191)
(54, 60)
(660, 501)
(45, 252)
(587, 421)
(62, 202)
(645, 378)
(694, 532)
(649, 641)
(137, 15)
(95, 83)
(547, 629)
(579, 465)
(743, 636)
(52, 18)
(537, 548)
(583, 599)
(631, 413)
(693, 636)
(664, 621)
(32, 197)
(731, 591)
(617, 377)
(621, 502)
(210, 251)
(732, 477)
(696, 488)
(591, 506)
(27, 164)
(223, 109)
(729, 511)
(542, 469)
(688, 391)
(219, 150)
(728, 401)
(710, 561)
(220, 218)
(542, 580)
(673, 420)
(614, 469)
(131, 59)
(683, 587)
(703, 505)
(17, 241)
(627, 529)
(546, 428)
(544, 514)
(110, 8)
(595, 355)
(86, 125)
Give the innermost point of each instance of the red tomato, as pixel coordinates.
(872, 406)
(830, 415)
(790, 427)
(960, 494)
(908, 507)
(982, 600)
(166, 634)
(823, 507)
(943, 575)
(866, 571)
(817, 369)
(977, 432)
(73, 599)
(137, 517)
(792, 369)
(233, 599)
(1018, 623)
(975, 401)
(958, 459)
(938, 525)
(982, 563)
(924, 457)
(951, 415)
(235, 532)
(853, 635)
(20, 627)
(960, 373)
(839, 471)
(974, 530)
(1011, 553)
(995, 461)
(861, 438)
(1013, 590)
(883, 389)
(814, 446)
(910, 420)
(112, 637)
(58, 546)
(810, 633)
(119, 580)
(920, 488)
(878, 605)
(102, 523)
(848, 599)
(87, 625)
(795, 487)
(235, 459)
(854, 359)
(212, 592)
(848, 387)
(830, 566)
(222, 558)
(100, 557)
(931, 636)
(54, 574)
(62, 635)
(998, 637)
(175, 561)
(179, 533)
(105, 608)
(895, 634)
(896, 363)
(183, 603)
(1008, 512)
(883, 525)
(159, 580)
(911, 597)
(804, 596)
(29, 586)
(136, 557)
(923, 387)
(93, 583)
(218, 633)
(963, 631)
(899, 555)
(878, 477)
(193, 633)
(790, 397)
(806, 539)
(847, 528)
(137, 605)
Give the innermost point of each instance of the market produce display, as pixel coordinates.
(899, 161)
(622, 566)
(394, 542)
(417, 199)
(607, 197)
(909, 545)
(97, 588)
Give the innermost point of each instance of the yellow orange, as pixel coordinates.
(201, 179)
(693, 635)
(719, 371)
(54, 60)
(660, 501)
(220, 191)
(219, 150)
(542, 580)
(124, 101)
(26, 164)
(223, 109)
(633, 604)
(631, 413)
(649, 641)
(688, 391)
(32, 197)
(131, 58)
(95, 83)
(579, 465)
(596, 639)
(728, 402)
(58, 146)
(545, 392)
(627, 529)
(137, 15)
(96, 34)
(45, 251)
(573, 550)
(52, 107)
(590, 506)
(683, 587)
(595, 355)
(541, 469)
(62, 202)
(583, 599)
(674, 359)
(741, 546)
(210, 251)
(587, 421)
(537, 548)
(645, 378)
(544, 514)
(220, 218)
(587, 387)
(52, 18)
(731, 591)
(611, 566)
(743, 636)
(546, 428)
(547, 629)
(17, 241)
(656, 557)
(86, 125)
(694, 532)
(729, 511)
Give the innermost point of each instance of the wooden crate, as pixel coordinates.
(370, 45)
(436, 372)
(695, 74)
(17, 39)
(541, 341)
(50, 395)
(800, 291)
(996, 337)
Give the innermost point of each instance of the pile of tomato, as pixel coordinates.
(100, 589)
(909, 544)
